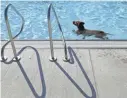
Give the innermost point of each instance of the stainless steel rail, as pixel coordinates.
(66, 59)
(16, 57)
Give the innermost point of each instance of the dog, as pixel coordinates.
(86, 32)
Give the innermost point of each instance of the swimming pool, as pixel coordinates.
(110, 17)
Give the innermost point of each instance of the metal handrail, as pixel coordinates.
(50, 35)
(10, 34)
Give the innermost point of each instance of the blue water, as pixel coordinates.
(110, 17)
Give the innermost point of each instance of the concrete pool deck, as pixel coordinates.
(94, 70)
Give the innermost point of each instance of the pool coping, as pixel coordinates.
(73, 43)
(61, 40)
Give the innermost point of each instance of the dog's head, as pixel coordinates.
(79, 24)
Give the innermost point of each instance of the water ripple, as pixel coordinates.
(110, 17)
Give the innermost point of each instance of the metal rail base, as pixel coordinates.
(18, 58)
(66, 60)
(53, 59)
(3, 59)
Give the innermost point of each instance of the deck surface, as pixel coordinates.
(91, 73)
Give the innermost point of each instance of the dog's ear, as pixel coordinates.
(82, 23)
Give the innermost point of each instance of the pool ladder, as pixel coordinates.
(52, 58)
(11, 38)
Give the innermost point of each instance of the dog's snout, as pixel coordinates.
(73, 22)
(77, 23)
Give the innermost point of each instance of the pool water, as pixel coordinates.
(110, 17)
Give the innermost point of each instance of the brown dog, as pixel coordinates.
(86, 32)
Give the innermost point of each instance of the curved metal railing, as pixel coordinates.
(10, 34)
(50, 35)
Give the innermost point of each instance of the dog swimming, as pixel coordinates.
(86, 32)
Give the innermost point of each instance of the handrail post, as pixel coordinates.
(66, 59)
(10, 34)
(12, 42)
(52, 58)
(4, 58)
